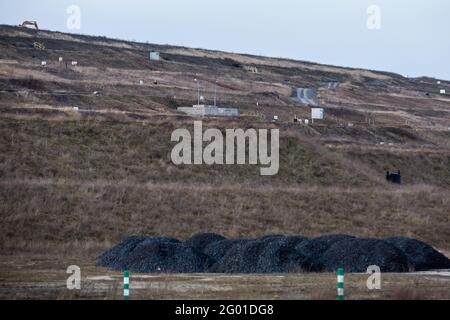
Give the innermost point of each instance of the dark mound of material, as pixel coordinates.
(117, 257)
(272, 237)
(154, 254)
(355, 255)
(208, 252)
(269, 254)
(242, 257)
(420, 255)
(217, 250)
(167, 257)
(200, 240)
(314, 248)
(281, 256)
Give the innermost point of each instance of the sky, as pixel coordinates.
(410, 37)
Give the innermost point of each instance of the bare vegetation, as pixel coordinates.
(74, 183)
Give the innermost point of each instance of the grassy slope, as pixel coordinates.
(101, 181)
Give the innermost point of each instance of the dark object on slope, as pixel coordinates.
(199, 241)
(420, 255)
(314, 248)
(355, 255)
(394, 177)
(117, 257)
(167, 257)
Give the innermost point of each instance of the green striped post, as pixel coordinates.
(126, 285)
(340, 283)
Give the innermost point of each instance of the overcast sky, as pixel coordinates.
(413, 39)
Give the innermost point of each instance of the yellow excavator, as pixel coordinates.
(38, 45)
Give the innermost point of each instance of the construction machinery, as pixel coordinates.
(30, 24)
(38, 45)
(33, 25)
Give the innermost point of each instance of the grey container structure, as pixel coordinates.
(155, 56)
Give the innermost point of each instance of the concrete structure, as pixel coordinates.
(329, 85)
(155, 56)
(442, 91)
(211, 111)
(251, 69)
(316, 113)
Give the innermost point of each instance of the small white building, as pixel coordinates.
(43, 63)
(251, 69)
(60, 59)
(155, 56)
(442, 91)
(316, 113)
(74, 63)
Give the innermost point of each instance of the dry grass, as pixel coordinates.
(86, 181)
(77, 212)
(73, 184)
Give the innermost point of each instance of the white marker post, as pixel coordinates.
(126, 285)
(340, 283)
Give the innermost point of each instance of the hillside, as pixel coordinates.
(85, 179)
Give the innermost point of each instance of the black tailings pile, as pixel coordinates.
(355, 255)
(213, 253)
(422, 256)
